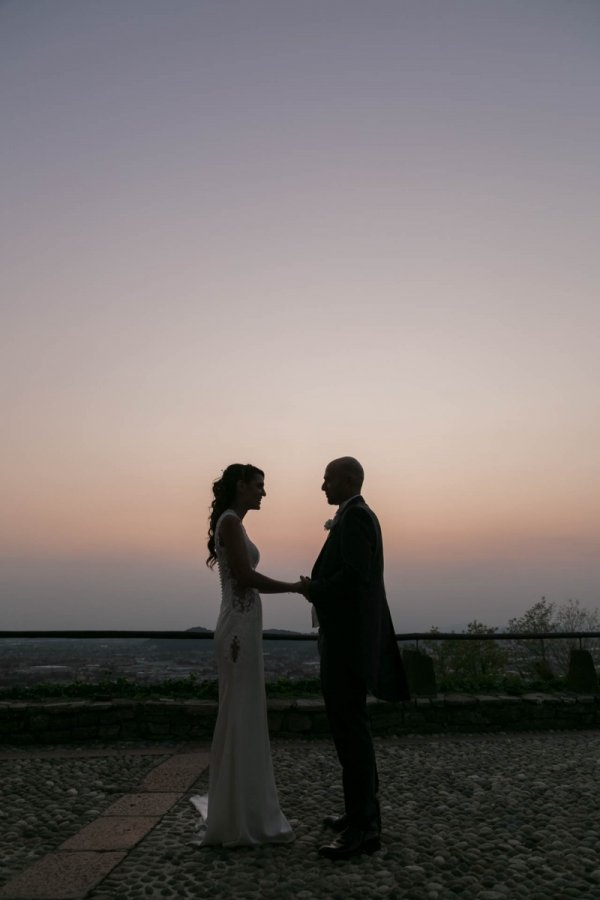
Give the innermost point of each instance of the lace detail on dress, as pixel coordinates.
(241, 599)
(235, 648)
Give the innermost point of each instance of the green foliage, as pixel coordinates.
(503, 684)
(546, 616)
(552, 656)
(176, 688)
(520, 665)
(286, 687)
(120, 688)
(474, 662)
(538, 619)
(572, 616)
(190, 688)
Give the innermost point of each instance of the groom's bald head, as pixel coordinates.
(343, 479)
(350, 469)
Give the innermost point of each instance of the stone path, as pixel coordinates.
(83, 860)
(478, 817)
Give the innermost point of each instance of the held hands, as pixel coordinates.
(301, 587)
(304, 586)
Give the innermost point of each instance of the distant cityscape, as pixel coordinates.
(29, 661)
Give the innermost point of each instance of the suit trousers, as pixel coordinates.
(345, 696)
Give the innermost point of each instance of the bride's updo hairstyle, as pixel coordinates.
(224, 489)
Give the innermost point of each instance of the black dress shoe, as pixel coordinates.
(336, 823)
(351, 842)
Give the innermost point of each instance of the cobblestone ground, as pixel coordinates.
(480, 817)
(43, 801)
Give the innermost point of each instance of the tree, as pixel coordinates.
(468, 662)
(545, 657)
(538, 619)
(572, 616)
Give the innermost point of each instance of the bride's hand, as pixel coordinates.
(300, 587)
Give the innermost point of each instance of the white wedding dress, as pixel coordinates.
(242, 806)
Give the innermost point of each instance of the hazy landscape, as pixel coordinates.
(29, 661)
(481, 660)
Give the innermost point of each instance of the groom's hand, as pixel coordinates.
(305, 585)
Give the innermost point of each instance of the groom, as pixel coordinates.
(358, 651)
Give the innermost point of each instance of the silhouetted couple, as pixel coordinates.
(358, 650)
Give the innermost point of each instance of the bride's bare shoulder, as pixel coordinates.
(230, 524)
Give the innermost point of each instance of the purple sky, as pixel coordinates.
(282, 232)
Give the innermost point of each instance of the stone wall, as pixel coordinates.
(53, 722)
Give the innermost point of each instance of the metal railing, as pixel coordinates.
(414, 636)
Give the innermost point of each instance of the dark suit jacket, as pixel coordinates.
(348, 592)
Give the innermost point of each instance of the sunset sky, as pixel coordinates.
(280, 231)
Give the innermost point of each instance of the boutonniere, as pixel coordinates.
(329, 524)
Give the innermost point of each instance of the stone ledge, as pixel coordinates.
(80, 720)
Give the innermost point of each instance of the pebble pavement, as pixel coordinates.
(478, 817)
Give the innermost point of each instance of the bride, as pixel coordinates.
(242, 805)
